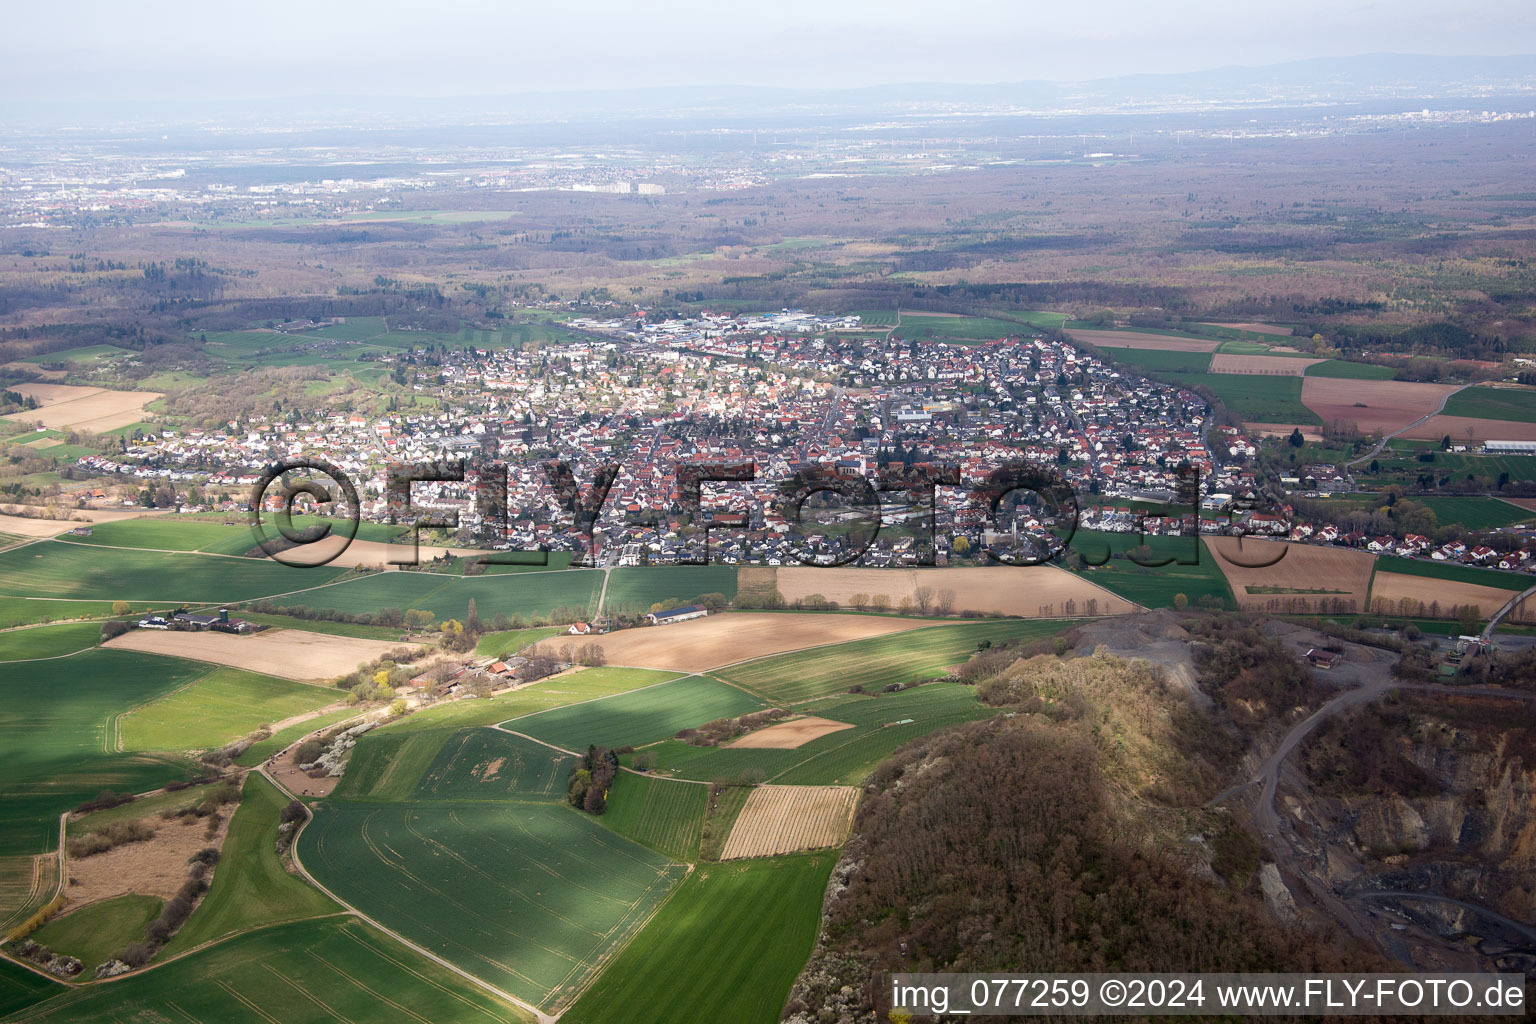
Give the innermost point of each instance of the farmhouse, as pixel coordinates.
(579, 629)
(671, 615)
(1322, 659)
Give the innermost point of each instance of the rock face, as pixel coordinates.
(1458, 817)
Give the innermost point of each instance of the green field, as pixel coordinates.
(222, 706)
(144, 807)
(22, 611)
(355, 629)
(387, 764)
(510, 641)
(1350, 371)
(727, 946)
(335, 969)
(1476, 513)
(172, 533)
(881, 724)
(643, 716)
(523, 891)
(58, 731)
(1517, 404)
(666, 816)
(1160, 361)
(96, 932)
(48, 641)
(529, 594)
(483, 764)
(639, 587)
(1453, 571)
(897, 658)
(63, 569)
(21, 988)
(1152, 586)
(250, 885)
(567, 688)
(1400, 464)
(1253, 397)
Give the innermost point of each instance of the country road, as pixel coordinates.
(1508, 607)
(1401, 430)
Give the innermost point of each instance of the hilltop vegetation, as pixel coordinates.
(1077, 816)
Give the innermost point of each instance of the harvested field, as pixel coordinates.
(1282, 430)
(702, 644)
(1472, 428)
(786, 819)
(155, 867)
(1275, 366)
(65, 406)
(1390, 590)
(1385, 405)
(1308, 577)
(1027, 591)
(1529, 504)
(363, 552)
(790, 735)
(1154, 342)
(289, 653)
(25, 526)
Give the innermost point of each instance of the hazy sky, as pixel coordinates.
(214, 49)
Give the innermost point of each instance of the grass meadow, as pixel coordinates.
(251, 887)
(222, 706)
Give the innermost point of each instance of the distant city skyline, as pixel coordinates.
(165, 50)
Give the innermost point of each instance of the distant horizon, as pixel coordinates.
(167, 50)
(1379, 76)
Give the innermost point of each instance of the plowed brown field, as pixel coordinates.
(1308, 575)
(789, 735)
(702, 644)
(1385, 405)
